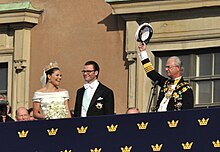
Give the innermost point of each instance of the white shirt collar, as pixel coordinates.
(92, 85)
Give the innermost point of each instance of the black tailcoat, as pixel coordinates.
(102, 102)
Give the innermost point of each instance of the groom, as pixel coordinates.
(94, 98)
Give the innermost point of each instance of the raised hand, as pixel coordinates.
(142, 46)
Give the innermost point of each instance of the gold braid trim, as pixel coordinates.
(148, 67)
(182, 84)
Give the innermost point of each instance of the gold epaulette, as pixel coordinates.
(148, 67)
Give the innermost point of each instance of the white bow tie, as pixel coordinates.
(88, 85)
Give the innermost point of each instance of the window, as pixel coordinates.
(6, 75)
(201, 69)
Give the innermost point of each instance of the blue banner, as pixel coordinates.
(190, 130)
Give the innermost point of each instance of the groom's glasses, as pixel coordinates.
(87, 71)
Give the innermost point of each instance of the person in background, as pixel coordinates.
(175, 92)
(94, 98)
(51, 101)
(22, 114)
(132, 110)
(5, 109)
(6, 117)
(31, 114)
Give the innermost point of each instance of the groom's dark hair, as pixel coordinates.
(95, 66)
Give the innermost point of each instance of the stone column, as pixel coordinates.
(21, 68)
(20, 18)
(138, 90)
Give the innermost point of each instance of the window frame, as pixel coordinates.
(7, 58)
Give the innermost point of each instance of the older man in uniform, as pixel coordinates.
(175, 92)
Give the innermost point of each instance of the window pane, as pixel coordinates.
(3, 76)
(186, 62)
(204, 92)
(216, 91)
(217, 63)
(205, 64)
(164, 61)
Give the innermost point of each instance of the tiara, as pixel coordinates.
(51, 66)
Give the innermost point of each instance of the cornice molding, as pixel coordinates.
(130, 7)
(19, 13)
(18, 6)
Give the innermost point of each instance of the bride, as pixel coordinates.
(51, 101)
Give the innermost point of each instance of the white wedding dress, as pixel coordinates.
(52, 103)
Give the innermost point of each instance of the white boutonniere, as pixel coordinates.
(99, 105)
(100, 98)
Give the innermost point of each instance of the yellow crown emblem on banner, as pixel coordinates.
(187, 145)
(203, 122)
(52, 131)
(82, 130)
(96, 150)
(126, 149)
(66, 151)
(112, 128)
(156, 147)
(173, 123)
(142, 126)
(216, 144)
(23, 134)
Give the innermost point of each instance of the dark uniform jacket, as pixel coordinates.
(8, 118)
(102, 102)
(182, 96)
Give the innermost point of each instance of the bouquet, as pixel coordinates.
(56, 110)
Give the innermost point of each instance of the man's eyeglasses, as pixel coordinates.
(87, 71)
(170, 67)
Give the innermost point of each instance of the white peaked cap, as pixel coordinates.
(144, 33)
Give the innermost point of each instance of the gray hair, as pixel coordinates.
(178, 62)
